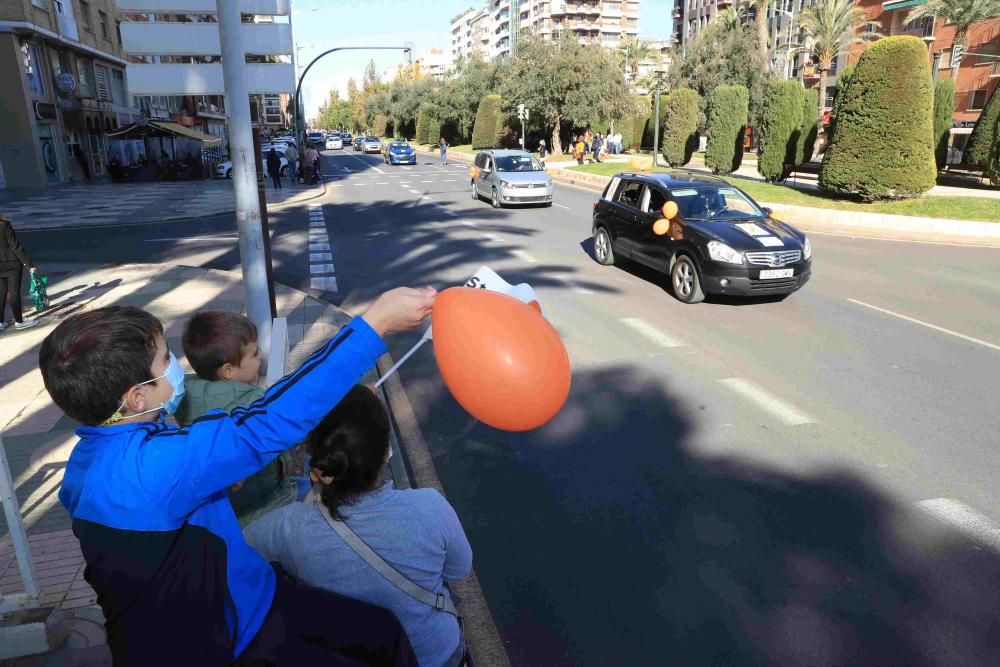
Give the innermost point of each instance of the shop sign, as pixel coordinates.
(89, 103)
(44, 110)
(964, 123)
(66, 83)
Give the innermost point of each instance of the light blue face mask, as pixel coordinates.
(175, 376)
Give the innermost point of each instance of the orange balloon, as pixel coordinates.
(669, 210)
(661, 227)
(474, 172)
(502, 361)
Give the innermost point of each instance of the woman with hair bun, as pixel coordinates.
(415, 531)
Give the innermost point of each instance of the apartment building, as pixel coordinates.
(435, 63)
(470, 33)
(64, 83)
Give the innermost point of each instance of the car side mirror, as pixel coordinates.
(767, 211)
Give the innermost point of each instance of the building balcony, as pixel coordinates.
(722, 4)
(263, 78)
(182, 39)
(259, 7)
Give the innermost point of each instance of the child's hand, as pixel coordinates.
(400, 309)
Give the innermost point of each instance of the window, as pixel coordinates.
(118, 87)
(86, 74)
(631, 194)
(831, 91)
(656, 200)
(32, 71)
(833, 65)
(101, 82)
(946, 59)
(103, 19)
(609, 192)
(85, 16)
(118, 30)
(977, 100)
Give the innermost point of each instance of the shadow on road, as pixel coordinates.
(604, 539)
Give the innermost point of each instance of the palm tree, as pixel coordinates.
(635, 52)
(760, 8)
(830, 27)
(960, 13)
(728, 18)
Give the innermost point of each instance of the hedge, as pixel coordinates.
(984, 134)
(484, 132)
(808, 127)
(640, 123)
(883, 144)
(423, 126)
(727, 121)
(679, 116)
(781, 119)
(843, 83)
(993, 166)
(379, 125)
(944, 107)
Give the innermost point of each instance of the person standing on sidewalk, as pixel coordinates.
(13, 259)
(597, 145)
(444, 151)
(274, 168)
(543, 152)
(292, 156)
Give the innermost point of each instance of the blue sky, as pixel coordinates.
(319, 25)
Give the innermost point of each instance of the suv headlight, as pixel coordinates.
(807, 250)
(720, 252)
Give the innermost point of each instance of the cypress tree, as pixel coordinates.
(984, 133)
(484, 131)
(808, 128)
(727, 121)
(944, 107)
(780, 123)
(679, 113)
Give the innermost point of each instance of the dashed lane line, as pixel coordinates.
(561, 206)
(328, 283)
(320, 257)
(649, 332)
(524, 256)
(320, 268)
(967, 520)
(782, 410)
(971, 339)
(316, 247)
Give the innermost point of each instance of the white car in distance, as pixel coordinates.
(334, 143)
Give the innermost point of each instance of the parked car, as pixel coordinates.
(334, 142)
(509, 178)
(316, 137)
(719, 242)
(358, 141)
(371, 145)
(225, 169)
(346, 138)
(400, 152)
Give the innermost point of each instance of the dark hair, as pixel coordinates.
(91, 359)
(350, 445)
(213, 338)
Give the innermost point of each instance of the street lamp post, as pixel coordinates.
(659, 74)
(298, 86)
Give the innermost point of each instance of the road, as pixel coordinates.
(810, 481)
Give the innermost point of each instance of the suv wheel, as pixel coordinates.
(603, 252)
(684, 279)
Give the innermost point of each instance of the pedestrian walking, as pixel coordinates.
(618, 143)
(444, 151)
(292, 156)
(309, 159)
(597, 145)
(579, 150)
(588, 141)
(543, 152)
(13, 260)
(274, 168)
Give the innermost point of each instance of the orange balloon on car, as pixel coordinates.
(502, 361)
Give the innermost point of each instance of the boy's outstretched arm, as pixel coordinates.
(218, 450)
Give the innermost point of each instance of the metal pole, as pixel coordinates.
(253, 258)
(656, 121)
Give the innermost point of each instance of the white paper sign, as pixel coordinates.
(770, 241)
(752, 229)
(488, 279)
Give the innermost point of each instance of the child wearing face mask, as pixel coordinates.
(164, 551)
(222, 349)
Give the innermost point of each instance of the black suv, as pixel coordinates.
(718, 242)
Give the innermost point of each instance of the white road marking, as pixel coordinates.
(316, 247)
(317, 223)
(426, 181)
(883, 238)
(320, 256)
(785, 412)
(199, 239)
(321, 268)
(448, 180)
(424, 197)
(524, 256)
(382, 183)
(648, 331)
(328, 283)
(358, 185)
(580, 289)
(403, 185)
(967, 520)
(346, 169)
(561, 206)
(467, 223)
(416, 192)
(491, 237)
(977, 341)
(316, 207)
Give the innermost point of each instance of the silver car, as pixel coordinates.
(510, 178)
(371, 145)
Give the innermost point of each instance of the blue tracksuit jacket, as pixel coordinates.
(163, 548)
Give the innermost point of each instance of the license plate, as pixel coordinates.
(776, 273)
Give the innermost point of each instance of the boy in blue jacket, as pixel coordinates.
(163, 548)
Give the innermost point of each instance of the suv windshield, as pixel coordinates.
(714, 203)
(518, 163)
(371, 138)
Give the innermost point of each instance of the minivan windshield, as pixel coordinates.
(714, 203)
(518, 163)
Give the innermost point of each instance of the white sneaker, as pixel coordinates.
(27, 324)
(3, 325)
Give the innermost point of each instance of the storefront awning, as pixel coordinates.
(162, 128)
(900, 4)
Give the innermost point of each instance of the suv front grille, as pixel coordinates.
(779, 258)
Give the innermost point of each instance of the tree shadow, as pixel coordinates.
(608, 537)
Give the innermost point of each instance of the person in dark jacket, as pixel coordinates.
(274, 167)
(13, 259)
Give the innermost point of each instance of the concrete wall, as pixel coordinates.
(206, 79)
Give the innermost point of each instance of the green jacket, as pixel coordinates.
(269, 488)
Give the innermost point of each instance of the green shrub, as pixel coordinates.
(993, 165)
(645, 135)
(882, 146)
(379, 125)
(808, 127)
(679, 113)
(423, 125)
(944, 107)
(432, 131)
(727, 121)
(984, 134)
(484, 132)
(843, 83)
(781, 119)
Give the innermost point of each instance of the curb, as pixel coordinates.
(171, 219)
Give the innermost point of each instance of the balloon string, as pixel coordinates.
(401, 361)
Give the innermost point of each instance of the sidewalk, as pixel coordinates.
(39, 438)
(135, 203)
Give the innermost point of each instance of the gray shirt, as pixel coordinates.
(415, 530)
